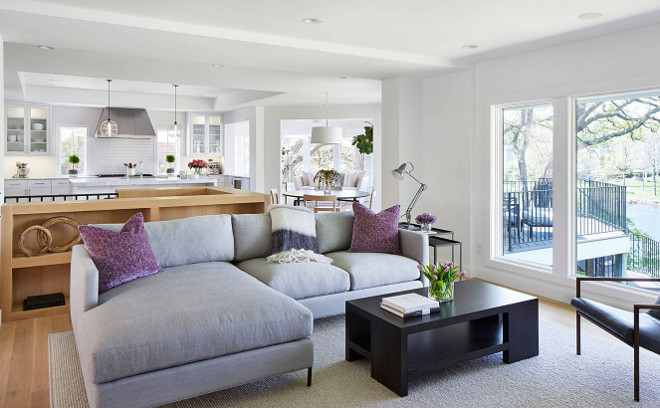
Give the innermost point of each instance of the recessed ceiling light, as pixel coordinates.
(342, 77)
(470, 46)
(217, 65)
(45, 47)
(311, 20)
(590, 16)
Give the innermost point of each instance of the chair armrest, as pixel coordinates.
(579, 279)
(415, 245)
(84, 290)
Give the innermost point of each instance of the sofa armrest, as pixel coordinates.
(415, 245)
(84, 290)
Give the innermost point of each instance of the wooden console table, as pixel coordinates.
(22, 276)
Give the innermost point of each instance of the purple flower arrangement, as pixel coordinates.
(441, 280)
(426, 219)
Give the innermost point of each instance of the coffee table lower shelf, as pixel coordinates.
(399, 349)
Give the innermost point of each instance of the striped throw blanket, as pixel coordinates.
(293, 235)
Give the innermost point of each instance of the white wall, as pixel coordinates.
(272, 129)
(402, 142)
(608, 64)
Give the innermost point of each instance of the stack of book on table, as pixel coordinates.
(410, 304)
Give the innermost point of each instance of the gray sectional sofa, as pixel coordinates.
(219, 315)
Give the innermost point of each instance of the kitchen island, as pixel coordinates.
(36, 187)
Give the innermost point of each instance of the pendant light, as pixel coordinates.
(175, 129)
(109, 128)
(326, 134)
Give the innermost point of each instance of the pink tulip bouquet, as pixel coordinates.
(441, 280)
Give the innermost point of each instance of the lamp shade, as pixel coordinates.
(109, 128)
(399, 171)
(325, 134)
(174, 130)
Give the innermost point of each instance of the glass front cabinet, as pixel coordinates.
(27, 130)
(204, 134)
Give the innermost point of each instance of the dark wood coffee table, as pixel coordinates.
(482, 319)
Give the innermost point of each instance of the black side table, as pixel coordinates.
(437, 242)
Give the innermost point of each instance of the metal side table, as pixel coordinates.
(437, 242)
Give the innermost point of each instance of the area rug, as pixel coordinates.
(601, 377)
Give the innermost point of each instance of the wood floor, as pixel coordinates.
(24, 353)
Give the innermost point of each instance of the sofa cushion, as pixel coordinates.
(375, 232)
(185, 314)
(367, 270)
(252, 236)
(120, 256)
(208, 238)
(334, 231)
(298, 280)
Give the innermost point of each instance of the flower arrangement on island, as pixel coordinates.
(441, 279)
(197, 165)
(425, 220)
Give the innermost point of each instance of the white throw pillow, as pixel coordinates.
(358, 178)
(305, 178)
(349, 180)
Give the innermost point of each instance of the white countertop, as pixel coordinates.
(122, 181)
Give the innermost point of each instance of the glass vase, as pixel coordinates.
(425, 227)
(441, 291)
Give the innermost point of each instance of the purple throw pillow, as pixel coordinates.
(120, 256)
(375, 232)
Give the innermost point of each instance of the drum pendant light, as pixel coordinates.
(109, 128)
(326, 134)
(175, 129)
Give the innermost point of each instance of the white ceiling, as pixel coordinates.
(270, 56)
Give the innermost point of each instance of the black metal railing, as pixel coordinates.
(528, 215)
(601, 207)
(59, 197)
(644, 255)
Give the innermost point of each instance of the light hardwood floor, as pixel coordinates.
(24, 353)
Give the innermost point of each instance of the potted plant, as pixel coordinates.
(170, 160)
(365, 141)
(73, 159)
(327, 178)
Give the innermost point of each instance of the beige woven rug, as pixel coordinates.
(601, 377)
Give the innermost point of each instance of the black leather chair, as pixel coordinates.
(633, 328)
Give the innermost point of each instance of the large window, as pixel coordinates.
(73, 140)
(618, 196)
(299, 154)
(527, 183)
(167, 145)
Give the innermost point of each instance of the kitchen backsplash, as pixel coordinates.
(108, 156)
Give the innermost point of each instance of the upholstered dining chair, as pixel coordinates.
(633, 328)
(319, 200)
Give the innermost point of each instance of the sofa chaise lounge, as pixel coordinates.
(218, 315)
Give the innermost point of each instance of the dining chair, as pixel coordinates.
(274, 196)
(371, 198)
(321, 198)
(633, 328)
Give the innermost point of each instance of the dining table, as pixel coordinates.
(342, 195)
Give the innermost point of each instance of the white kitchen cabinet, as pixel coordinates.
(204, 134)
(61, 186)
(27, 130)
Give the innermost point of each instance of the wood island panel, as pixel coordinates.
(22, 276)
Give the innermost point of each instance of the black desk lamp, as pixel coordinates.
(398, 173)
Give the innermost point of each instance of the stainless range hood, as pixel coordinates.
(132, 123)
